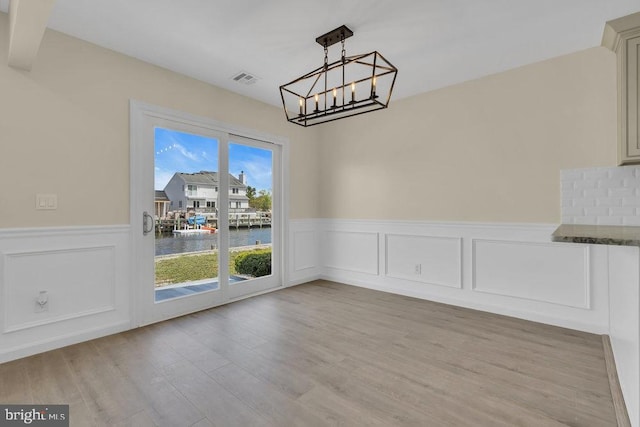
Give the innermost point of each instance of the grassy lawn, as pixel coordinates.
(191, 267)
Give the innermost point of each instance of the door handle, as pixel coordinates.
(146, 220)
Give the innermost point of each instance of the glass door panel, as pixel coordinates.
(186, 182)
(252, 231)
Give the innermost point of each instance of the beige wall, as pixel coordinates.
(485, 150)
(64, 128)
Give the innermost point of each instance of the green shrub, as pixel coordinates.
(255, 263)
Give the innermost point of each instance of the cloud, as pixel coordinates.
(186, 153)
(182, 152)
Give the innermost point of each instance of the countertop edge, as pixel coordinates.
(597, 234)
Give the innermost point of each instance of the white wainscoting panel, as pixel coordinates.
(426, 259)
(549, 272)
(305, 250)
(303, 259)
(86, 273)
(551, 284)
(353, 251)
(510, 269)
(79, 282)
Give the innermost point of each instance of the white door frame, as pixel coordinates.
(145, 116)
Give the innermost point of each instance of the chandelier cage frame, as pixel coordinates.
(335, 90)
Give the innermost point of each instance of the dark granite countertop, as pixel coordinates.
(598, 234)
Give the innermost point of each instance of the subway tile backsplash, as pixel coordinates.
(604, 196)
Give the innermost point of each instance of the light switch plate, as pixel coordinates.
(46, 201)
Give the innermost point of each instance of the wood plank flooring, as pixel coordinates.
(325, 354)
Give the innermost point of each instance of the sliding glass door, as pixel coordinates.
(208, 204)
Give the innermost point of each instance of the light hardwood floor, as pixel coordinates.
(325, 354)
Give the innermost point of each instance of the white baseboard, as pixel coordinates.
(509, 269)
(303, 281)
(46, 344)
(489, 308)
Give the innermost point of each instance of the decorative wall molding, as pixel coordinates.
(364, 253)
(425, 259)
(459, 271)
(354, 251)
(532, 271)
(6, 233)
(304, 250)
(86, 272)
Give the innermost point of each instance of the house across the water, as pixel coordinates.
(199, 191)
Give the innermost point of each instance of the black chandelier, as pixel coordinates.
(350, 86)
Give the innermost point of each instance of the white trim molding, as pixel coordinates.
(426, 259)
(86, 274)
(509, 269)
(456, 264)
(533, 271)
(355, 251)
(304, 261)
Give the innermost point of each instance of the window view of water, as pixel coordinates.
(170, 243)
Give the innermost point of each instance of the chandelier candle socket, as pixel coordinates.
(369, 74)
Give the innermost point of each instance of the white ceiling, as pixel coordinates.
(433, 43)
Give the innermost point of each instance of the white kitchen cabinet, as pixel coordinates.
(622, 36)
(624, 323)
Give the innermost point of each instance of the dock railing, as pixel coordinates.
(236, 220)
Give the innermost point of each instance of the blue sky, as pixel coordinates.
(182, 152)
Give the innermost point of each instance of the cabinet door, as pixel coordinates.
(633, 98)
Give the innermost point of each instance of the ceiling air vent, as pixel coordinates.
(245, 78)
